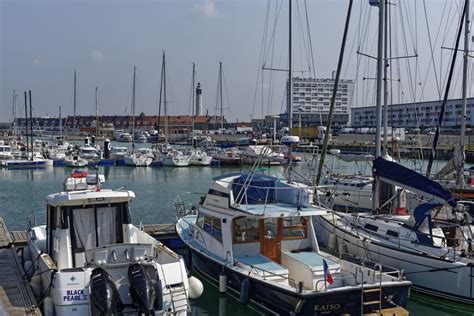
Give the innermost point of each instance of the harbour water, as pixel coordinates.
(23, 192)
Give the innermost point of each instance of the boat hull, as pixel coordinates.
(431, 275)
(285, 302)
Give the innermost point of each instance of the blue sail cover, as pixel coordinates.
(411, 180)
(261, 189)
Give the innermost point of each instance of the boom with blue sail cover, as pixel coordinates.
(396, 174)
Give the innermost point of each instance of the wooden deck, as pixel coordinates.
(16, 297)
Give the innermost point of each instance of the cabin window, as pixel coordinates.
(371, 227)
(84, 231)
(245, 230)
(97, 225)
(392, 233)
(106, 230)
(216, 228)
(211, 225)
(294, 228)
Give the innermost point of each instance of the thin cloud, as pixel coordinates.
(208, 8)
(36, 62)
(96, 55)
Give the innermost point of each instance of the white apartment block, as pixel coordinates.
(416, 115)
(312, 98)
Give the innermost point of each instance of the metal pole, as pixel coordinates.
(74, 104)
(97, 131)
(385, 85)
(460, 172)
(379, 78)
(165, 105)
(290, 80)
(274, 130)
(334, 93)
(133, 105)
(31, 126)
(26, 124)
(375, 199)
(299, 129)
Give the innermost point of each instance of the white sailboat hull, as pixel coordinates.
(429, 274)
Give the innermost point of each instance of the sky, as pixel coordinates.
(43, 41)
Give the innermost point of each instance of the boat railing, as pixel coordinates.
(267, 273)
(32, 219)
(369, 264)
(185, 204)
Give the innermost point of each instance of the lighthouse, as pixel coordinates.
(198, 99)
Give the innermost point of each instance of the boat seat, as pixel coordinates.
(311, 259)
(263, 266)
(307, 267)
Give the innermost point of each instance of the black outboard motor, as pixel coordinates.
(93, 141)
(104, 294)
(145, 288)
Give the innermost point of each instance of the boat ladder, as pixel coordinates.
(179, 297)
(367, 299)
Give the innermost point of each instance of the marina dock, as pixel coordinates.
(16, 297)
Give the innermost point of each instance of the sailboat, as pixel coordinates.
(167, 155)
(226, 157)
(198, 157)
(136, 159)
(434, 251)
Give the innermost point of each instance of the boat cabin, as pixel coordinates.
(81, 220)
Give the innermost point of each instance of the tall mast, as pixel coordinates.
(375, 199)
(385, 81)
(74, 104)
(133, 104)
(220, 99)
(193, 97)
(97, 130)
(60, 125)
(459, 172)
(26, 124)
(379, 78)
(14, 116)
(159, 100)
(165, 106)
(446, 92)
(31, 126)
(290, 81)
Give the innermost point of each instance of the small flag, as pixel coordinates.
(327, 273)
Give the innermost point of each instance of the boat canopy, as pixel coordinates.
(254, 189)
(396, 174)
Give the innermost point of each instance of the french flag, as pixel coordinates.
(327, 273)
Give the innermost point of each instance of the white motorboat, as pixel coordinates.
(89, 152)
(200, 158)
(253, 235)
(137, 160)
(437, 256)
(75, 161)
(5, 151)
(173, 158)
(122, 136)
(118, 153)
(89, 259)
